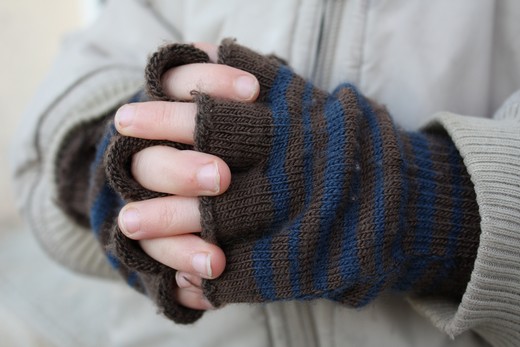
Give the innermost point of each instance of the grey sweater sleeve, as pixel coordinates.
(491, 303)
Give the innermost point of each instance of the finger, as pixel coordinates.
(158, 120)
(187, 253)
(186, 280)
(219, 81)
(210, 49)
(160, 217)
(188, 173)
(193, 299)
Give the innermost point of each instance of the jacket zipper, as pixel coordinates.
(329, 28)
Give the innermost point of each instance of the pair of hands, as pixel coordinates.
(167, 227)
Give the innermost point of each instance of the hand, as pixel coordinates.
(166, 227)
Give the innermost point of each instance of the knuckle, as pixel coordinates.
(169, 216)
(164, 114)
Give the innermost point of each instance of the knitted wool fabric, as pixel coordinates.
(329, 199)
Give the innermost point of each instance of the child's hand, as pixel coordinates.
(167, 227)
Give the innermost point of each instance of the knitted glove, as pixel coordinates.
(329, 199)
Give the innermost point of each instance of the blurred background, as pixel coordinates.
(30, 35)
(35, 293)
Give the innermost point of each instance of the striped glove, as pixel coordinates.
(329, 198)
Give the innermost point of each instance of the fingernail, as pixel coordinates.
(182, 280)
(246, 87)
(201, 263)
(131, 221)
(207, 304)
(125, 115)
(208, 178)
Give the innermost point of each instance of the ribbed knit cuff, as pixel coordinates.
(442, 233)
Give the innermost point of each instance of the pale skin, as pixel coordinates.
(167, 228)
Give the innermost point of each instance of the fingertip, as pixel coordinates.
(246, 87)
(218, 262)
(124, 117)
(209, 264)
(225, 175)
(213, 177)
(129, 221)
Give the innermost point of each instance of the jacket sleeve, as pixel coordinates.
(97, 70)
(491, 152)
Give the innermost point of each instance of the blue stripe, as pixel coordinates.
(277, 178)
(294, 231)
(132, 279)
(334, 179)
(114, 262)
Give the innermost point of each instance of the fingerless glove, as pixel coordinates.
(329, 198)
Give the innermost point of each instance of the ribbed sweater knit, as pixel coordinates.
(329, 198)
